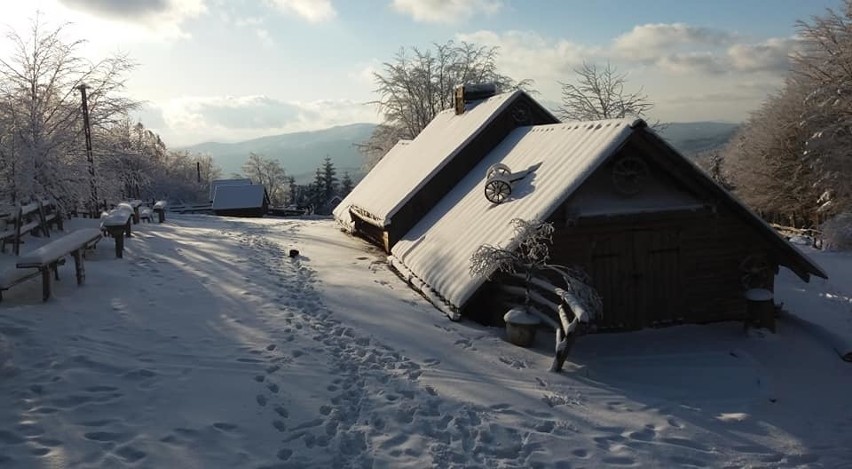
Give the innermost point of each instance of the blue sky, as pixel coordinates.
(229, 70)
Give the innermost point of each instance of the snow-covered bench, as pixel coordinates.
(116, 223)
(134, 206)
(48, 258)
(145, 214)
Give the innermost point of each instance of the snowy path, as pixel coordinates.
(206, 346)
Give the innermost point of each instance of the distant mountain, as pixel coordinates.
(300, 153)
(694, 137)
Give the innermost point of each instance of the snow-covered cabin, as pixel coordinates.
(415, 175)
(241, 200)
(662, 242)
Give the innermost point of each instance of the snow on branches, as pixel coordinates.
(528, 251)
(546, 287)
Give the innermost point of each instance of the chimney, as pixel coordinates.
(472, 92)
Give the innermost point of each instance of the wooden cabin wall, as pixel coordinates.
(660, 268)
(371, 233)
(457, 168)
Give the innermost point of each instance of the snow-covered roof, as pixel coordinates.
(559, 156)
(235, 197)
(227, 182)
(389, 186)
(370, 187)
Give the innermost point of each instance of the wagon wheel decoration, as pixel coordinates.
(521, 114)
(757, 271)
(629, 175)
(498, 169)
(498, 189)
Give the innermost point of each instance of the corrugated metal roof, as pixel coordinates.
(227, 182)
(560, 156)
(390, 185)
(239, 196)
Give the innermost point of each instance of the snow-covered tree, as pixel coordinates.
(766, 160)
(526, 257)
(824, 68)
(598, 93)
(270, 173)
(42, 138)
(418, 84)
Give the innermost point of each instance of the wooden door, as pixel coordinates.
(637, 273)
(657, 274)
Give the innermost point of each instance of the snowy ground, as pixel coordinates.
(206, 346)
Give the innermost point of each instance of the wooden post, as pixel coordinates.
(79, 268)
(117, 232)
(45, 283)
(127, 230)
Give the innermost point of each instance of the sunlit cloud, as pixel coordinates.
(652, 41)
(445, 11)
(164, 17)
(663, 60)
(314, 11)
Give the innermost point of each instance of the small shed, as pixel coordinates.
(415, 175)
(227, 182)
(661, 241)
(241, 200)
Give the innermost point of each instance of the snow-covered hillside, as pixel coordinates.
(207, 346)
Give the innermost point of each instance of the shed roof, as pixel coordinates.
(227, 182)
(389, 186)
(559, 157)
(240, 196)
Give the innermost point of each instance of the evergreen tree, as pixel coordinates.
(329, 180)
(317, 189)
(294, 199)
(346, 185)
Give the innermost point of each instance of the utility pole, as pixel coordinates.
(89, 157)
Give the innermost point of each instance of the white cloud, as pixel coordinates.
(265, 38)
(651, 41)
(189, 120)
(771, 55)
(314, 11)
(665, 60)
(445, 11)
(529, 55)
(163, 17)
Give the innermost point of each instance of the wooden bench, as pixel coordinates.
(46, 259)
(145, 214)
(24, 219)
(116, 223)
(51, 215)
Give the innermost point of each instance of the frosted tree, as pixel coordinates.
(42, 125)
(270, 173)
(526, 259)
(599, 93)
(418, 84)
(824, 67)
(766, 161)
(346, 184)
